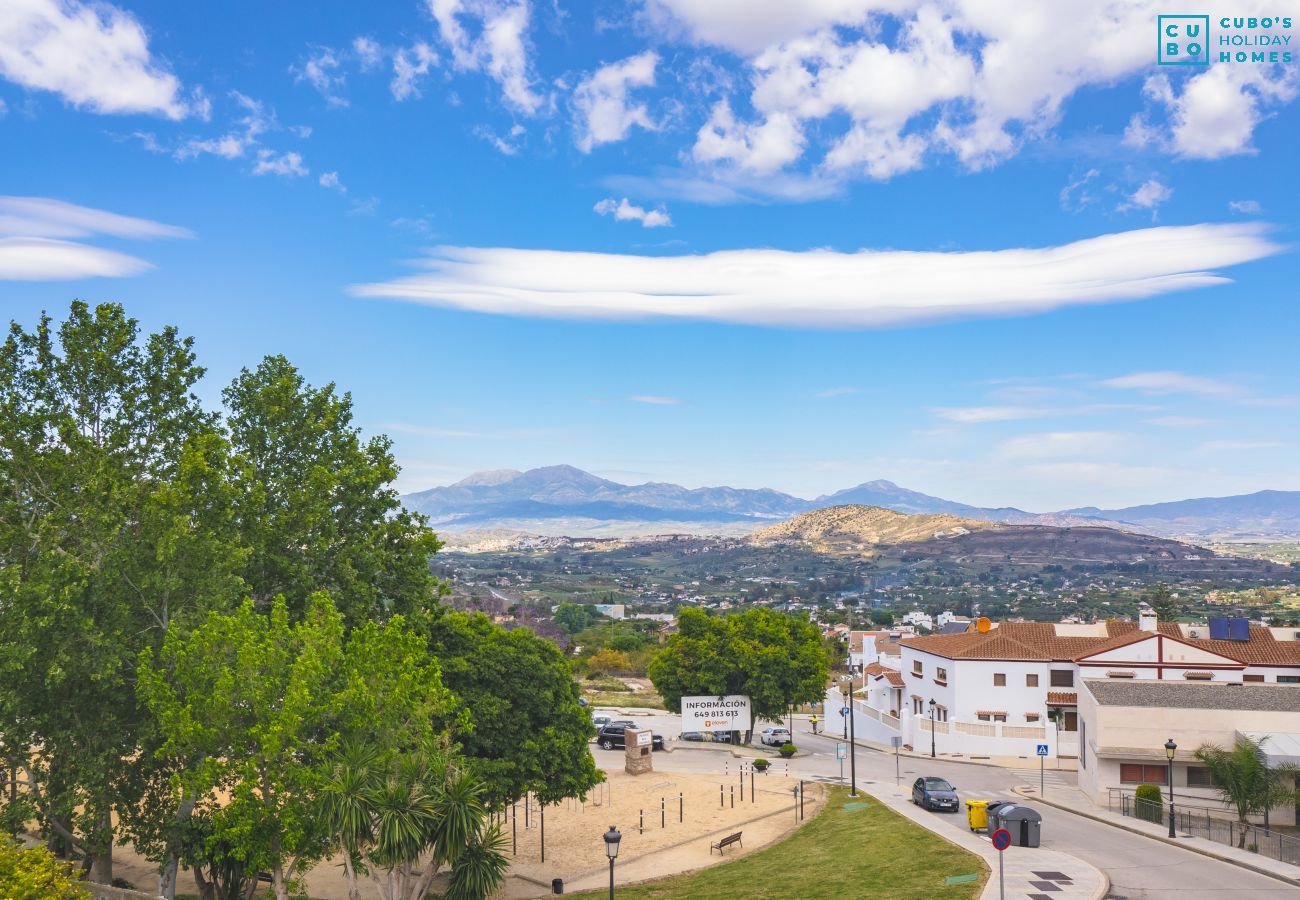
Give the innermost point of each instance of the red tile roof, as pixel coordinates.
(1062, 698)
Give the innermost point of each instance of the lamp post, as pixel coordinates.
(1170, 749)
(932, 704)
(846, 687)
(612, 837)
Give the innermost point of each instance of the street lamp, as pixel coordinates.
(846, 688)
(612, 837)
(932, 705)
(1170, 749)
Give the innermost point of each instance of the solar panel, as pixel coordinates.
(1238, 628)
(1219, 628)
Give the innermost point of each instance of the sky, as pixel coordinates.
(988, 250)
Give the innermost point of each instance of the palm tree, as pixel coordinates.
(402, 818)
(1246, 781)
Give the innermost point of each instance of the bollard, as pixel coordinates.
(722, 797)
(753, 797)
(681, 808)
(542, 809)
(742, 782)
(663, 815)
(640, 822)
(801, 816)
(733, 796)
(514, 832)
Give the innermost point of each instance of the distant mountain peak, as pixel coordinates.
(488, 477)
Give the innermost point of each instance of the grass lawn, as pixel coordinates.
(639, 699)
(870, 852)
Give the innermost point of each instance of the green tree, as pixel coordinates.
(529, 731)
(36, 875)
(882, 618)
(251, 708)
(114, 525)
(1245, 781)
(316, 505)
(777, 660)
(1162, 601)
(574, 617)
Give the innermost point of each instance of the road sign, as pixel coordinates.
(841, 751)
(1001, 839)
(895, 742)
(844, 710)
(1042, 749)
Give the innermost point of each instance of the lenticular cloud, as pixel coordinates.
(827, 288)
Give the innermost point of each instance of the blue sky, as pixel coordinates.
(997, 256)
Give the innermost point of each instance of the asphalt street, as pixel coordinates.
(1138, 868)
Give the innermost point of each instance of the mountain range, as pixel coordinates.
(564, 500)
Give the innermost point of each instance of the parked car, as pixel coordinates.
(611, 736)
(692, 735)
(722, 737)
(600, 721)
(775, 737)
(935, 793)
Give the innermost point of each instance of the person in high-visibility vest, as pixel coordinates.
(813, 720)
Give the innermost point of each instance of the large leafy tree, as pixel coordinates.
(529, 731)
(1245, 780)
(776, 659)
(251, 707)
(316, 506)
(115, 524)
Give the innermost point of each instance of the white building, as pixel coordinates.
(919, 619)
(1124, 723)
(1007, 690)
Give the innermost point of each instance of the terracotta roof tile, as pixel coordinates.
(1062, 698)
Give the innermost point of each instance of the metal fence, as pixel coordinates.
(1211, 824)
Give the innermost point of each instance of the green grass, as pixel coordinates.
(646, 699)
(870, 852)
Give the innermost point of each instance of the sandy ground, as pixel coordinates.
(575, 849)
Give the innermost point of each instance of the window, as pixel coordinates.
(991, 716)
(1062, 678)
(999, 679)
(917, 668)
(941, 675)
(941, 713)
(918, 706)
(1199, 776)
(1288, 679)
(1136, 773)
(1031, 717)
(1031, 680)
(1252, 677)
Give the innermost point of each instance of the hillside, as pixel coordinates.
(1263, 514)
(859, 527)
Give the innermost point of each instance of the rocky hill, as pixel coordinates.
(858, 527)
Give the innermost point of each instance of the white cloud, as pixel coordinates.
(975, 415)
(499, 47)
(1075, 196)
(1165, 382)
(1056, 444)
(331, 180)
(826, 288)
(898, 81)
(321, 71)
(602, 112)
(1246, 207)
(94, 55)
(838, 392)
(48, 218)
(508, 145)
(1149, 196)
(759, 149)
(1242, 445)
(654, 400)
(1180, 421)
(32, 249)
(624, 211)
(409, 64)
(368, 52)
(286, 164)
(255, 121)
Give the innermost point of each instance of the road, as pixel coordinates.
(1138, 868)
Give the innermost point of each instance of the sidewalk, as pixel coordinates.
(1073, 800)
(1030, 872)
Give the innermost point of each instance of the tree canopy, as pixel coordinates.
(774, 658)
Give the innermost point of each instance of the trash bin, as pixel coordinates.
(992, 807)
(557, 885)
(1024, 823)
(977, 814)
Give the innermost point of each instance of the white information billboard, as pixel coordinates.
(730, 713)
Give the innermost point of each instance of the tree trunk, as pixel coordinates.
(207, 890)
(350, 873)
(101, 870)
(171, 863)
(278, 887)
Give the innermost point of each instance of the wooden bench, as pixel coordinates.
(725, 842)
(265, 877)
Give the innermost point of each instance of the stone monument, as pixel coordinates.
(639, 743)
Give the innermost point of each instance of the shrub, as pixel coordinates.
(787, 747)
(762, 764)
(36, 875)
(1149, 803)
(606, 662)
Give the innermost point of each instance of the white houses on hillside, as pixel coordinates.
(1004, 691)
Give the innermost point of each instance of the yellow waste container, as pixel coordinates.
(977, 814)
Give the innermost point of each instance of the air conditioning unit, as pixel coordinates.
(1194, 632)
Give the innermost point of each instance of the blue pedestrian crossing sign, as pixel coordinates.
(1042, 749)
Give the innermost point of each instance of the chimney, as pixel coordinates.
(1146, 618)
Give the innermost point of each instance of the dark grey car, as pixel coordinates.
(936, 794)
